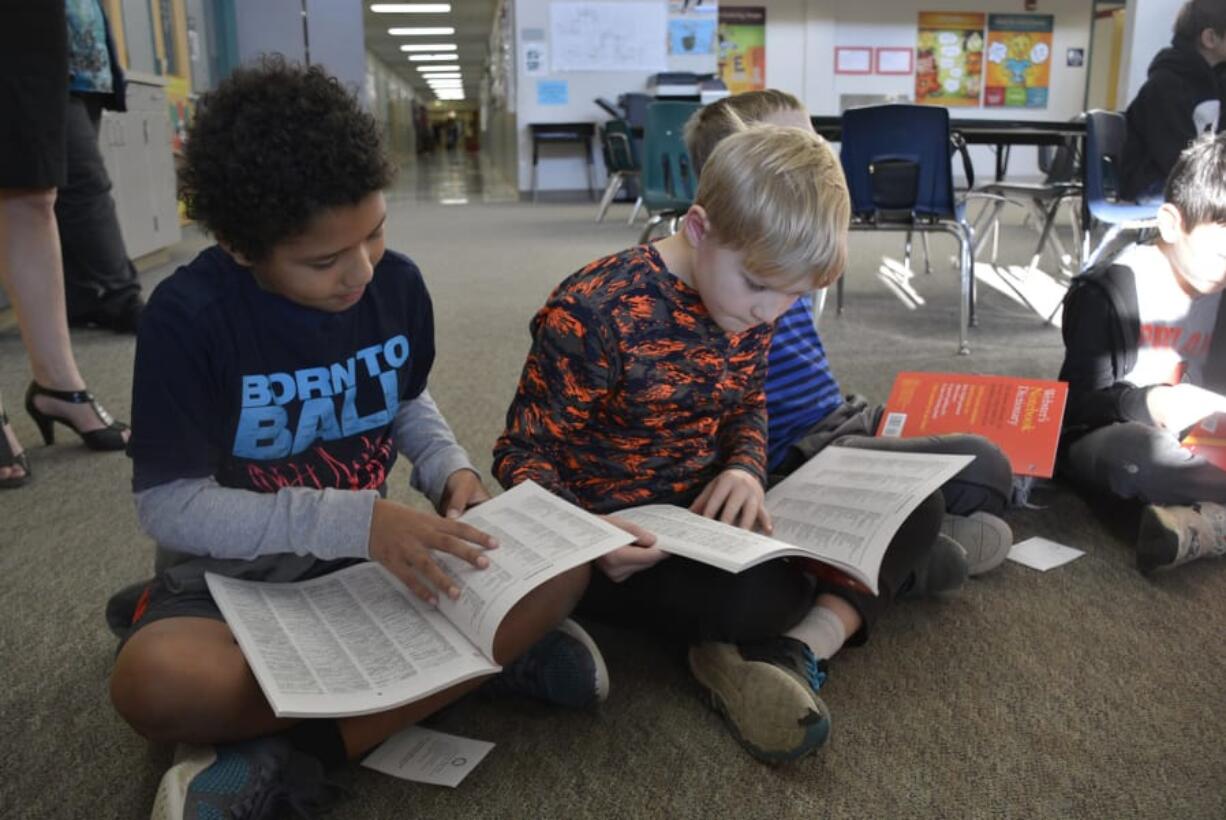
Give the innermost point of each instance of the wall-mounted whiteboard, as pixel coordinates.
(609, 36)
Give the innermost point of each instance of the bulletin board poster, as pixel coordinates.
(1019, 60)
(691, 26)
(949, 58)
(742, 47)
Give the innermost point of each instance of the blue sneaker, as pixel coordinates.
(564, 668)
(767, 694)
(254, 779)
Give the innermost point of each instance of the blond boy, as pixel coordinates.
(645, 384)
(807, 412)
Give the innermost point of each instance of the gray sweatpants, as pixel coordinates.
(1135, 461)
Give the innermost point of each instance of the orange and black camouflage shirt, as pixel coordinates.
(631, 393)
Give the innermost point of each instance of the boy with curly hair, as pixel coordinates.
(277, 376)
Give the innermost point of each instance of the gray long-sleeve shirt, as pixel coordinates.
(199, 519)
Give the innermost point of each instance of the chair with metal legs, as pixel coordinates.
(1042, 200)
(897, 162)
(1120, 221)
(668, 179)
(622, 166)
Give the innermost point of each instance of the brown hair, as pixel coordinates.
(1198, 15)
(712, 123)
(1197, 184)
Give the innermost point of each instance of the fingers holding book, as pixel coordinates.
(623, 562)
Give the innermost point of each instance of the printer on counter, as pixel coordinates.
(673, 85)
(685, 85)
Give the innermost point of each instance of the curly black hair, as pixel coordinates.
(274, 145)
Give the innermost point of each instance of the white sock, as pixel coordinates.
(820, 630)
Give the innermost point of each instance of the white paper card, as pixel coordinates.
(426, 756)
(1042, 554)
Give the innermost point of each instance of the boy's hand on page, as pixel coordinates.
(1179, 406)
(462, 490)
(623, 562)
(403, 539)
(735, 497)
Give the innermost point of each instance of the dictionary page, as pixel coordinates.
(690, 535)
(540, 536)
(349, 643)
(845, 504)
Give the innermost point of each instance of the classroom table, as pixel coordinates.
(563, 132)
(1003, 134)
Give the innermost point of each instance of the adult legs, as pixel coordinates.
(31, 273)
(100, 282)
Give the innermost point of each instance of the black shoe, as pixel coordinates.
(10, 459)
(107, 438)
(121, 318)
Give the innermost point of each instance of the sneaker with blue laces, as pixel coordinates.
(254, 779)
(767, 694)
(564, 668)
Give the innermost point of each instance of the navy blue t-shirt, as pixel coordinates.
(245, 386)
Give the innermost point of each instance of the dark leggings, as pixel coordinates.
(98, 276)
(697, 602)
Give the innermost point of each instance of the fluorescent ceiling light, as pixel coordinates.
(450, 75)
(410, 8)
(429, 47)
(434, 31)
(421, 58)
(430, 69)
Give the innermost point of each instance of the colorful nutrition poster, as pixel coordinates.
(742, 47)
(1019, 60)
(949, 58)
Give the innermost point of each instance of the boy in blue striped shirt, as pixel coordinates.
(806, 412)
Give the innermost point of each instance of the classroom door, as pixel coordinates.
(1107, 46)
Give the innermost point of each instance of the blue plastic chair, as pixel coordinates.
(919, 134)
(668, 178)
(1105, 132)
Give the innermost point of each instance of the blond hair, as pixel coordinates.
(710, 124)
(779, 196)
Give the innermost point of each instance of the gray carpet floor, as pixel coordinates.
(1087, 691)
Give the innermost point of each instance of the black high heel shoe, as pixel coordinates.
(107, 438)
(8, 459)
